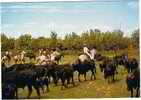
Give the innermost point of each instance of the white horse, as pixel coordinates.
(43, 59)
(20, 57)
(4, 59)
(83, 58)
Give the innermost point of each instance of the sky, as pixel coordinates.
(39, 19)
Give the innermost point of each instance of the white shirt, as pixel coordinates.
(86, 50)
(42, 58)
(6, 52)
(93, 52)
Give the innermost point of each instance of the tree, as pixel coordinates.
(4, 42)
(135, 37)
(25, 41)
(118, 32)
(53, 35)
(97, 30)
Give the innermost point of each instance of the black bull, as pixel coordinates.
(21, 78)
(109, 69)
(84, 68)
(63, 72)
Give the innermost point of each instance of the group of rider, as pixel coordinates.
(46, 54)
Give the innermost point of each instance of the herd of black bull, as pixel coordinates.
(30, 75)
(38, 76)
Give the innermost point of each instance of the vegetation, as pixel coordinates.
(73, 41)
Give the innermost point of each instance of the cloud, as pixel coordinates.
(29, 24)
(133, 4)
(7, 25)
(48, 10)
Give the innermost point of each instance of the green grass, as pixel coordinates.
(98, 88)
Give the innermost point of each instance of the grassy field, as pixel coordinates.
(98, 88)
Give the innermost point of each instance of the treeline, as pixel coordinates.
(102, 40)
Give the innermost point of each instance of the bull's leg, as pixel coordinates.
(85, 76)
(29, 91)
(131, 92)
(37, 90)
(63, 83)
(55, 81)
(92, 74)
(137, 92)
(112, 80)
(95, 74)
(47, 84)
(47, 87)
(68, 81)
(42, 87)
(16, 93)
(49, 79)
(108, 78)
(79, 77)
(73, 81)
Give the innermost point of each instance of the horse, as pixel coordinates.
(30, 55)
(19, 58)
(82, 58)
(6, 58)
(56, 57)
(43, 59)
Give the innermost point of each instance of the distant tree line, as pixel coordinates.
(101, 40)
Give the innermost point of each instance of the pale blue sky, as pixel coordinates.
(65, 17)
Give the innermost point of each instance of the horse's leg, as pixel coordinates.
(29, 91)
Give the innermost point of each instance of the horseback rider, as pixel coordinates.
(40, 52)
(86, 51)
(84, 58)
(54, 54)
